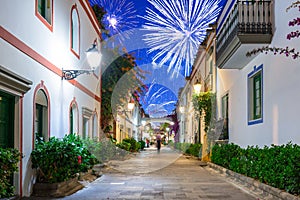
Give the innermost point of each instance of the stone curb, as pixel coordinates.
(268, 192)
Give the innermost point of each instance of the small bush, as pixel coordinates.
(9, 159)
(124, 145)
(277, 166)
(142, 144)
(59, 160)
(134, 145)
(194, 150)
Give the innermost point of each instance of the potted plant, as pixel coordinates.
(58, 163)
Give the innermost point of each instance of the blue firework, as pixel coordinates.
(175, 30)
(158, 100)
(120, 18)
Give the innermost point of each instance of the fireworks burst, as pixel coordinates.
(158, 100)
(177, 27)
(120, 19)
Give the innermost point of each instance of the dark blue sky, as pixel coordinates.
(131, 13)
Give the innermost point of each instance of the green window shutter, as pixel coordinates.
(7, 110)
(71, 121)
(39, 121)
(257, 96)
(42, 7)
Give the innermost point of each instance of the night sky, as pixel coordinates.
(167, 26)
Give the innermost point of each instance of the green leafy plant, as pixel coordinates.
(194, 150)
(124, 145)
(9, 159)
(134, 145)
(278, 166)
(59, 160)
(142, 144)
(204, 104)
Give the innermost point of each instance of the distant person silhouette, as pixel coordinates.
(158, 141)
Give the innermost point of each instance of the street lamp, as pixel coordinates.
(168, 129)
(197, 87)
(93, 58)
(181, 109)
(122, 111)
(130, 105)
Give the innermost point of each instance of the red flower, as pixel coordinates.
(79, 159)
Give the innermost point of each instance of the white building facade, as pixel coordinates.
(260, 92)
(186, 115)
(39, 38)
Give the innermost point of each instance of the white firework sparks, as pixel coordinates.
(177, 27)
(120, 18)
(157, 99)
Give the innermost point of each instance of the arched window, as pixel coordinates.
(75, 30)
(73, 118)
(41, 122)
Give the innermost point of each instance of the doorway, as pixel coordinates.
(7, 103)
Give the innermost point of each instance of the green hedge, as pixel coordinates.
(277, 166)
(188, 148)
(59, 160)
(9, 159)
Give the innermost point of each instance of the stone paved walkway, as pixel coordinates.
(167, 175)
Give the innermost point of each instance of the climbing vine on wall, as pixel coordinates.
(204, 104)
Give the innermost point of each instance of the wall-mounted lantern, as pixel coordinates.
(93, 57)
(197, 87)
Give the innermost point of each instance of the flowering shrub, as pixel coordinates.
(59, 160)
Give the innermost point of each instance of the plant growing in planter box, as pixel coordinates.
(59, 160)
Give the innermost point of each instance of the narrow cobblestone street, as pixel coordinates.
(164, 175)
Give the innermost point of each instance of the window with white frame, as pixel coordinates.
(86, 116)
(255, 96)
(75, 29)
(95, 126)
(41, 116)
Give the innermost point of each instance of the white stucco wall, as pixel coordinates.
(20, 21)
(281, 92)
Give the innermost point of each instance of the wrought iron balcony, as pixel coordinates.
(248, 25)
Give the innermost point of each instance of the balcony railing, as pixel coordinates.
(247, 17)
